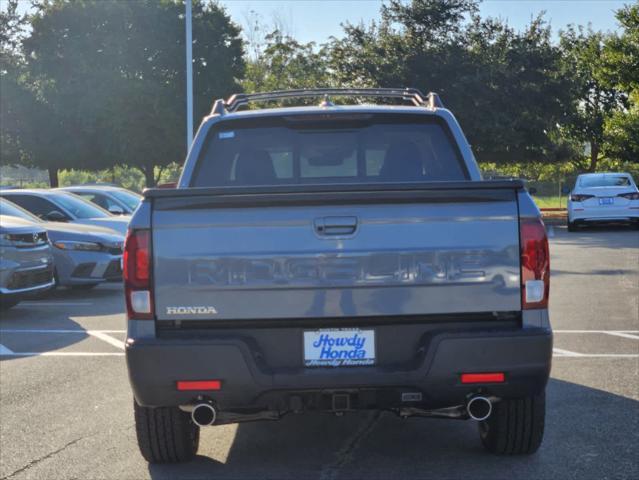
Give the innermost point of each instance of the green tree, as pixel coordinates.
(504, 86)
(114, 71)
(621, 70)
(595, 100)
(284, 63)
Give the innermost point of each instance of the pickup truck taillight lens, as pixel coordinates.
(580, 198)
(630, 196)
(535, 263)
(137, 275)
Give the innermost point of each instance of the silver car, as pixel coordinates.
(57, 206)
(85, 255)
(116, 200)
(26, 263)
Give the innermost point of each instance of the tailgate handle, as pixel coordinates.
(335, 225)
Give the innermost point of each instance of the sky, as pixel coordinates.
(317, 20)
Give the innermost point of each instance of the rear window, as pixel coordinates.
(605, 181)
(347, 149)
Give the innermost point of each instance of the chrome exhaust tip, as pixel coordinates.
(479, 408)
(203, 414)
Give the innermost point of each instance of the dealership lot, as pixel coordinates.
(66, 407)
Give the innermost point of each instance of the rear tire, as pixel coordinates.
(165, 434)
(516, 426)
(571, 226)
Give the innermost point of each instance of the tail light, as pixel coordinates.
(580, 198)
(535, 263)
(630, 196)
(137, 275)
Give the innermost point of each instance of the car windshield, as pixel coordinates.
(12, 210)
(605, 181)
(336, 149)
(130, 199)
(77, 207)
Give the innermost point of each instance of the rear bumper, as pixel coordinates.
(155, 365)
(603, 214)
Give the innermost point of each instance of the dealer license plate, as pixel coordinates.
(337, 348)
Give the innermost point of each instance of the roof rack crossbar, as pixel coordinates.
(410, 94)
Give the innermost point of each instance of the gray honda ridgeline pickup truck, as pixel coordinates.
(336, 258)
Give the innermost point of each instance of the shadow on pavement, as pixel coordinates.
(597, 237)
(577, 444)
(56, 311)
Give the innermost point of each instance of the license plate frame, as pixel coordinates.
(606, 201)
(339, 347)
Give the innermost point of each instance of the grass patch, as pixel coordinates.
(550, 202)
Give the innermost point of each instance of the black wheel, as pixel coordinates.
(7, 303)
(571, 226)
(516, 426)
(165, 434)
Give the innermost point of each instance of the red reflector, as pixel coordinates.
(482, 378)
(199, 385)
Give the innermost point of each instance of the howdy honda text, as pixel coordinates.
(339, 347)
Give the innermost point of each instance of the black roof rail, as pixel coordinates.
(238, 100)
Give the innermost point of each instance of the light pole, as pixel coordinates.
(189, 75)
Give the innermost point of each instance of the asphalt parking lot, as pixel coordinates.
(66, 406)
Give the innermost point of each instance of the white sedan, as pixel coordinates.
(603, 197)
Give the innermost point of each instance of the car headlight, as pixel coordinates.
(73, 245)
(5, 240)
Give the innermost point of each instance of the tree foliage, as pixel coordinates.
(112, 72)
(503, 85)
(95, 84)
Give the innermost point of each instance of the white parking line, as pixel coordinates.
(62, 354)
(624, 335)
(55, 304)
(107, 338)
(55, 330)
(560, 352)
(610, 332)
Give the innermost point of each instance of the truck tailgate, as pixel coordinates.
(331, 255)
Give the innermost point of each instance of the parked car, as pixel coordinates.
(336, 259)
(116, 200)
(603, 197)
(84, 255)
(56, 206)
(26, 263)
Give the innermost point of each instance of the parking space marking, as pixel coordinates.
(62, 354)
(54, 330)
(610, 332)
(104, 335)
(55, 304)
(107, 338)
(624, 335)
(560, 352)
